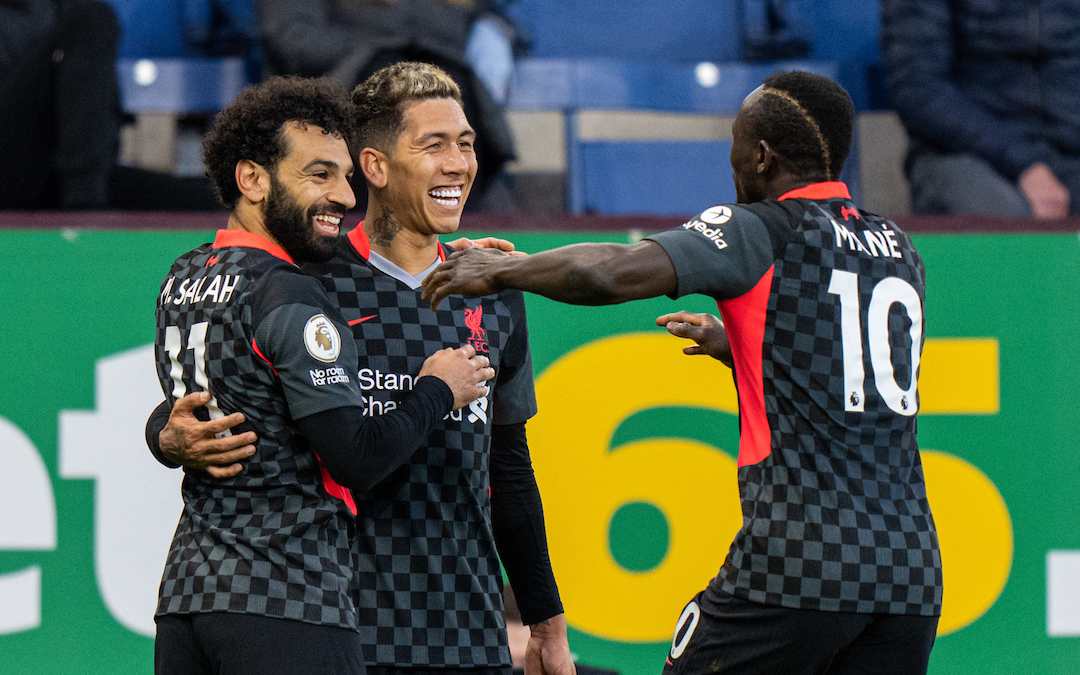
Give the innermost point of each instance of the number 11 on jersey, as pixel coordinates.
(887, 291)
(197, 344)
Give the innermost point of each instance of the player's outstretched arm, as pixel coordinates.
(177, 438)
(704, 329)
(581, 274)
(548, 651)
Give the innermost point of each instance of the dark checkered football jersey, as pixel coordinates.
(430, 582)
(238, 319)
(823, 305)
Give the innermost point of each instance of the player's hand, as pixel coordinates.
(189, 441)
(548, 651)
(462, 370)
(485, 242)
(1047, 196)
(704, 329)
(470, 273)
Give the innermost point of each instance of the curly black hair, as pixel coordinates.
(252, 126)
(808, 120)
(380, 101)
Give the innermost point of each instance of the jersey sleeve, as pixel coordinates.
(299, 334)
(722, 253)
(517, 522)
(514, 390)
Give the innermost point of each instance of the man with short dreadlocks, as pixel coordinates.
(836, 568)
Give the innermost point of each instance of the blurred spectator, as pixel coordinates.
(990, 95)
(351, 39)
(60, 109)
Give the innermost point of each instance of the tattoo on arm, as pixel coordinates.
(385, 228)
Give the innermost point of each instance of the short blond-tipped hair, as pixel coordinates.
(381, 100)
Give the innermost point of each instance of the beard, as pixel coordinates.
(294, 228)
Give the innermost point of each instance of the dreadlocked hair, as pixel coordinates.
(808, 120)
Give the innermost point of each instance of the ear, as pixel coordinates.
(765, 158)
(374, 164)
(253, 180)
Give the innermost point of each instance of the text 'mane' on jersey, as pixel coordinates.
(823, 306)
(238, 319)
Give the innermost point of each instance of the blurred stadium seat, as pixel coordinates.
(609, 85)
(638, 137)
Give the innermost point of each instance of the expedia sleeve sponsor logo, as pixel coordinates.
(321, 338)
(708, 225)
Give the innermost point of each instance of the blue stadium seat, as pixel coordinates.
(613, 84)
(653, 177)
(150, 28)
(179, 85)
(646, 176)
(676, 31)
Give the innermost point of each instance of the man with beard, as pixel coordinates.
(429, 581)
(260, 576)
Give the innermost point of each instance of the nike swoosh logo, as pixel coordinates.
(362, 319)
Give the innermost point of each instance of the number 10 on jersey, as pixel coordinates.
(886, 292)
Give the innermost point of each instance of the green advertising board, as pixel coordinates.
(634, 449)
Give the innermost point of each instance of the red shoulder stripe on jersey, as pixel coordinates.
(744, 319)
(823, 190)
(358, 239)
(442, 254)
(259, 353)
(334, 489)
(245, 239)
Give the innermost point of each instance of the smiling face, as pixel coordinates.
(309, 193)
(432, 167)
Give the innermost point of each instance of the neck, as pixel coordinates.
(389, 237)
(249, 217)
(785, 183)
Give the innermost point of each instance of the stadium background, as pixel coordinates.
(635, 444)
